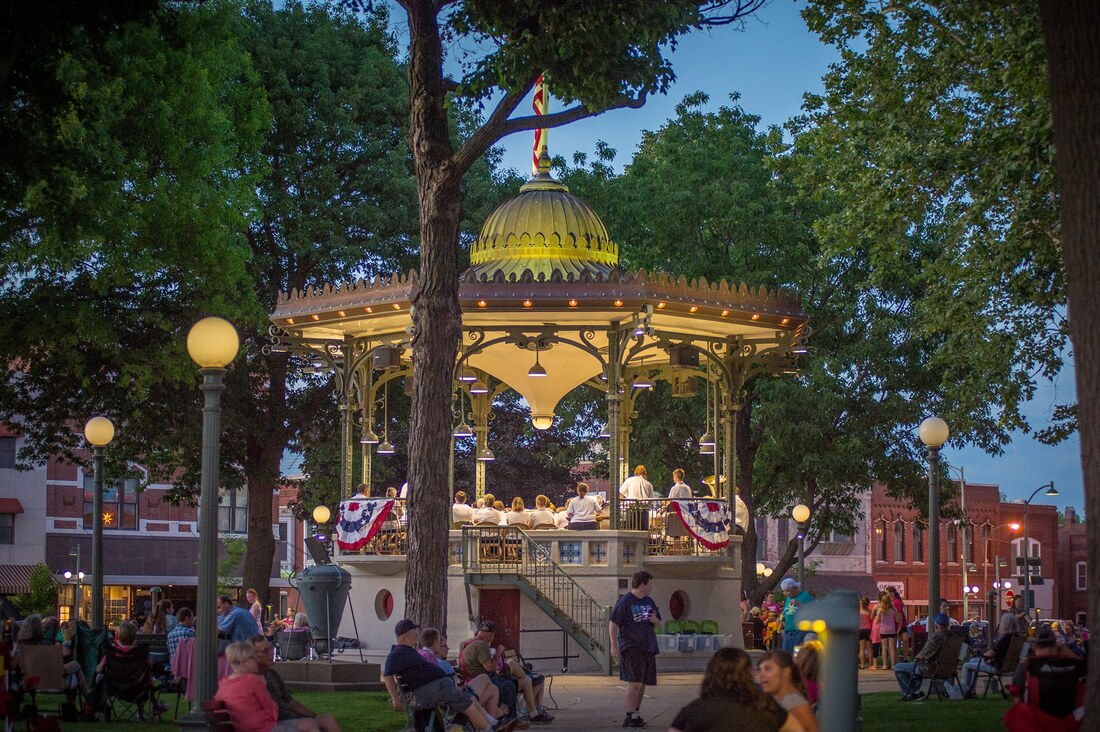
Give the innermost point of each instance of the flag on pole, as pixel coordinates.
(539, 105)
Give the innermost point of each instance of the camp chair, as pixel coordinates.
(128, 683)
(1054, 691)
(1007, 667)
(294, 646)
(946, 667)
(429, 719)
(708, 627)
(43, 669)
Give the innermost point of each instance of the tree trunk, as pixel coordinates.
(1071, 29)
(436, 322)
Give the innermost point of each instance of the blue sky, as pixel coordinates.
(772, 63)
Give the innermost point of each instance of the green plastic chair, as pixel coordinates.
(673, 627)
(689, 626)
(708, 627)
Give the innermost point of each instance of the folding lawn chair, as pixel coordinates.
(128, 684)
(429, 719)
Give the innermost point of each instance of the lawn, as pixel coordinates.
(884, 712)
(354, 711)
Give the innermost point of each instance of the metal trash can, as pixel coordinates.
(324, 592)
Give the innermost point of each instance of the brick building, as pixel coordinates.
(1073, 598)
(976, 539)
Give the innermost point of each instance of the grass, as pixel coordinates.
(883, 712)
(361, 710)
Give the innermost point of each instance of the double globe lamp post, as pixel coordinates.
(212, 343)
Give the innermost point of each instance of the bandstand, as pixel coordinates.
(545, 310)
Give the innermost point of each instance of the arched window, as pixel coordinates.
(952, 543)
(899, 541)
(1034, 554)
(968, 543)
(1082, 575)
(880, 540)
(987, 531)
(918, 543)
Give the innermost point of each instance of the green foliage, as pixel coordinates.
(229, 579)
(42, 598)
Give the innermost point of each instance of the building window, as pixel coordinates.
(120, 503)
(7, 528)
(952, 544)
(233, 511)
(1082, 581)
(1034, 554)
(783, 532)
(838, 538)
(761, 538)
(7, 452)
(1079, 620)
(918, 543)
(880, 540)
(899, 541)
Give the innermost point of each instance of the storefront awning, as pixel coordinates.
(15, 579)
(10, 505)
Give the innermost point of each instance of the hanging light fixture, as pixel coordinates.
(536, 371)
(463, 429)
(479, 387)
(386, 447)
(641, 381)
(467, 374)
(706, 442)
(368, 438)
(486, 455)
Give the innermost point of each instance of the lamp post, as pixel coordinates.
(99, 431)
(1050, 491)
(79, 576)
(801, 514)
(212, 344)
(985, 556)
(933, 433)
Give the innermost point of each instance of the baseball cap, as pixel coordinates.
(488, 626)
(788, 583)
(942, 619)
(404, 627)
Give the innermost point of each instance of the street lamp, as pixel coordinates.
(212, 344)
(98, 432)
(801, 514)
(933, 433)
(1050, 491)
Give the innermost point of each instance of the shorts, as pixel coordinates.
(865, 634)
(889, 635)
(638, 667)
(441, 692)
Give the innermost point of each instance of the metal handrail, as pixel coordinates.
(508, 550)
(654, 516)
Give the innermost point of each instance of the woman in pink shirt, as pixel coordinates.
(245, 696)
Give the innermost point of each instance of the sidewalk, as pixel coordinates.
(590, 702)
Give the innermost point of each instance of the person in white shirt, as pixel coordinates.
(486, 514)
(674, 525)
(542, 514)
(405, 490)
(581, 510)
(679, 489)
(636, 488)
(561, 518)
(461, 513)
(518, 516)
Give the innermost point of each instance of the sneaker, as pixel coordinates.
(634, 722)
(542, 718)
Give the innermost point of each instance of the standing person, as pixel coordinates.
(679, 488)
(865, 619)
(729, 699)
(796, 598)
(637, 488)
(633, 632)
(289, 707)
(253, 599)
(581, 510)
(903, 622)
(888, 624)
(781, 678)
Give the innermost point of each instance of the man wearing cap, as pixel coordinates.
(796, 598)
(427, 683)
(632, 629)
(910, 674)
(477, 655)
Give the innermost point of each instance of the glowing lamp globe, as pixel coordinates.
(213, 343)
(542, 421)
(99, 431)
(801, 513)
(934, 432)
(321, 515)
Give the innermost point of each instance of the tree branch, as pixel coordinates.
(492, 130)
(566, 116)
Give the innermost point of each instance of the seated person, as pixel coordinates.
(36, 632)
(518, 516)
(235, 624)
(289, 707)
(542, 513)
(427, 683)
(433, 647)
(300, 624)
(184, 628)
(461, 512)
(561, 517)
(1050, 685)
(989, 662)
(910, 674)
(486, 514)
(581, 510)
(478, 656)
(245, 696)
(124, 642)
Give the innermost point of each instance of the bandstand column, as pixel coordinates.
(481, 404)
(366, 391)
(345, 446)
(614, 422)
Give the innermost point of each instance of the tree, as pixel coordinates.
(598, 56)
(42, 597)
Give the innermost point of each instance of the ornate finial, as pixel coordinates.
(544, 162)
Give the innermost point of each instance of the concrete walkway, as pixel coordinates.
(590, 702)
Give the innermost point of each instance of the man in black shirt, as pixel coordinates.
(427, 683)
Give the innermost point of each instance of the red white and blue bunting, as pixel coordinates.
(360, 520)
(707, 521)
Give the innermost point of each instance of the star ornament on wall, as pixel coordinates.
(108, 518)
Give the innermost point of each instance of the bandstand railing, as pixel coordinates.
(668, 536)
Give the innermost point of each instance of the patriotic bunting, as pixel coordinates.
(707, 521)
(360, 520)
